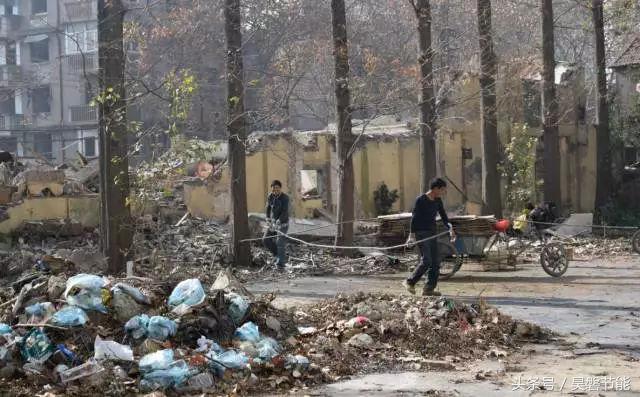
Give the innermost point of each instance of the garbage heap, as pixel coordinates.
(91, 334)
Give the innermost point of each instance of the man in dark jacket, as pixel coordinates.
(277, 220)
(423, 226)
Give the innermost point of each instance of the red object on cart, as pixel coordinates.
(502, 225)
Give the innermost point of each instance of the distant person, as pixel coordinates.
(522, 221)
(278, 221)
(423, 226)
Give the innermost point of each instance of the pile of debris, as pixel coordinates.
(89, 333)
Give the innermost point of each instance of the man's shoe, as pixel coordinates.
(409, 287)
(430, 292)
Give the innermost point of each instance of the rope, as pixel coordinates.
(591, 226)
(339, 247)
(308, 230)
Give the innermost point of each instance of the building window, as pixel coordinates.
(39, 51)
(40, 100)
(38, 7)
(90, 147)
(42, 145)
(81, 37)
(311, 184)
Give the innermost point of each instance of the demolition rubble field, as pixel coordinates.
(81, 334)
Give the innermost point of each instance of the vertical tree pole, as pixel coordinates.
(491, 191)
(551, 138)
(344, 136)
(236, 128)
(603, 174)
(116, 231)
(427, 96)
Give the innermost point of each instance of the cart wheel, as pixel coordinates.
(554, 259)
(450, 260)
(635, 241)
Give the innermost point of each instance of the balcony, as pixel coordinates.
(80, 10)
(39, 21)
(83, 114)
(80, 63)
(12, 122)
(10, 75)
(9, 25)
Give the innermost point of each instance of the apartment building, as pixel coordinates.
(48, 75)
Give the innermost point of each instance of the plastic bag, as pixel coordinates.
(268, 348)
(298, 361)
(110, 350)
(70, 316)
(137, 326)
(91, 367)
(85, 291)
(249, 332)
(187, 292)
(175, 374)
(157, 360)
(133, 292)
(205, 345)
(36, 347)
(161, 328)
(5, 329)
(231, 359)
(238, 307)
(40, 312)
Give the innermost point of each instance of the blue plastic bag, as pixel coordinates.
(137, 326)
(175, 374)
(5, 329)
(267, 348)
(157, 327)
(70, 316)
(187, 292)
(40, 312)
(238, 306)
(157, 360)
(231, 359)
(161, 328)
(248, 332)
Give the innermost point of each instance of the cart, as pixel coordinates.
(503, 245)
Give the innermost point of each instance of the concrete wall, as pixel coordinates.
(84, 209)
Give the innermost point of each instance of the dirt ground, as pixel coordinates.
(595, 308)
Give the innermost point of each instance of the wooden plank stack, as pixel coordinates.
(394, 229)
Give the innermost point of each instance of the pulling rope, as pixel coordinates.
(341, 247)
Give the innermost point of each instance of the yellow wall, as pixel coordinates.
(84, 209)
(395, 160)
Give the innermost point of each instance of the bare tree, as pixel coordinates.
(116, 233)
(491, 192)
(603, 178)
(344, 135)
(550, 107)
(427, 97)
(236, 129)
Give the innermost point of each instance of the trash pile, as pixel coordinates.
(125, 336)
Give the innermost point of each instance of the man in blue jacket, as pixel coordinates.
(277, 220)
(423, 226)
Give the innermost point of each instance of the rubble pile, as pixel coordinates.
(91, 334)
(405, 333)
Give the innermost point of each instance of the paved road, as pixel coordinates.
(595, 302)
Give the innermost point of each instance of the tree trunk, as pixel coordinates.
(344, 136)
(551, 138)
(116, 227)
(603, 175)
(427, 97)
(491, 191)
(236, 129)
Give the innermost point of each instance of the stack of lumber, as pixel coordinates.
(394, 229)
